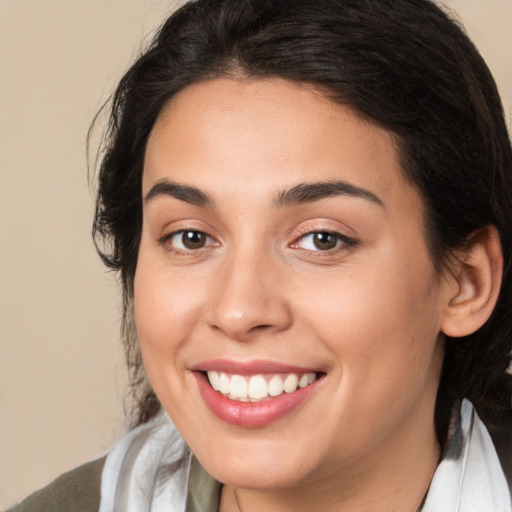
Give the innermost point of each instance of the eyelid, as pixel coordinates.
(342, 241)
(311, 227)
(166, 239)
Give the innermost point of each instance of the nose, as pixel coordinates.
(249, 299)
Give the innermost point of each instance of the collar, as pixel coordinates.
(469, 477)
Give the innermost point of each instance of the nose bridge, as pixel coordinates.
(248, 299)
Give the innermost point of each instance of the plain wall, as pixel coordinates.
(62, 374)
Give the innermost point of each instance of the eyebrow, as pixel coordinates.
(191, 195)
(299, 194)
(310, 192)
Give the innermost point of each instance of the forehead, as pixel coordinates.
(267, 134)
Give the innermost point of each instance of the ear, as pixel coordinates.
(478, 275)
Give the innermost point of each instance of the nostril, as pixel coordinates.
(261, 327)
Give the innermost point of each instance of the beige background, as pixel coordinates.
(61, 371)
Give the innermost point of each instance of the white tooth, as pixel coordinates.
(290, 383)
(303, 381)
(275, 386)
(311, 377)
(258, 387)
(238, 387)
(224, 383)
(243, 399)
(214, 379)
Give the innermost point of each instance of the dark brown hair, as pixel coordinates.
(403, 64)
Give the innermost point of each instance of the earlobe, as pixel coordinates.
(478, 279)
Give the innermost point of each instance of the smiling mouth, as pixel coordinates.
(257, 388)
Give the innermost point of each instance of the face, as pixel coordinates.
(286, 305)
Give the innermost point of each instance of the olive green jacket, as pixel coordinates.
(79, 490)
(75, 491)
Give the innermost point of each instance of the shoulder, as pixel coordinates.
(75, 491)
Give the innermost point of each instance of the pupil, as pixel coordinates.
(324, 241)
(193, 239)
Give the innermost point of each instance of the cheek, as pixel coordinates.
(381, 324)
(166, 308)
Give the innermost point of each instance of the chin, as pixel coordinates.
(271, 475)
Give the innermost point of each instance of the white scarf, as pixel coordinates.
(148, 471)
(469, 478)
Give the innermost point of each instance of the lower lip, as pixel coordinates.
(252, 414)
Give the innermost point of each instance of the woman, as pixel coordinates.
(309, 207)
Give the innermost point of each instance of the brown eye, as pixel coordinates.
(193, 239)
(324, 241)
(188, 240)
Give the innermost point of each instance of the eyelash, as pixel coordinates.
(166, 241)
(342, 242)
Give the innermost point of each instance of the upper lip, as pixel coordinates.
(250, 367)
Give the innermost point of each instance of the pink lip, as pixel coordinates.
(251, 414)
(250, 367)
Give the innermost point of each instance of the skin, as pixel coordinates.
(367, 314)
